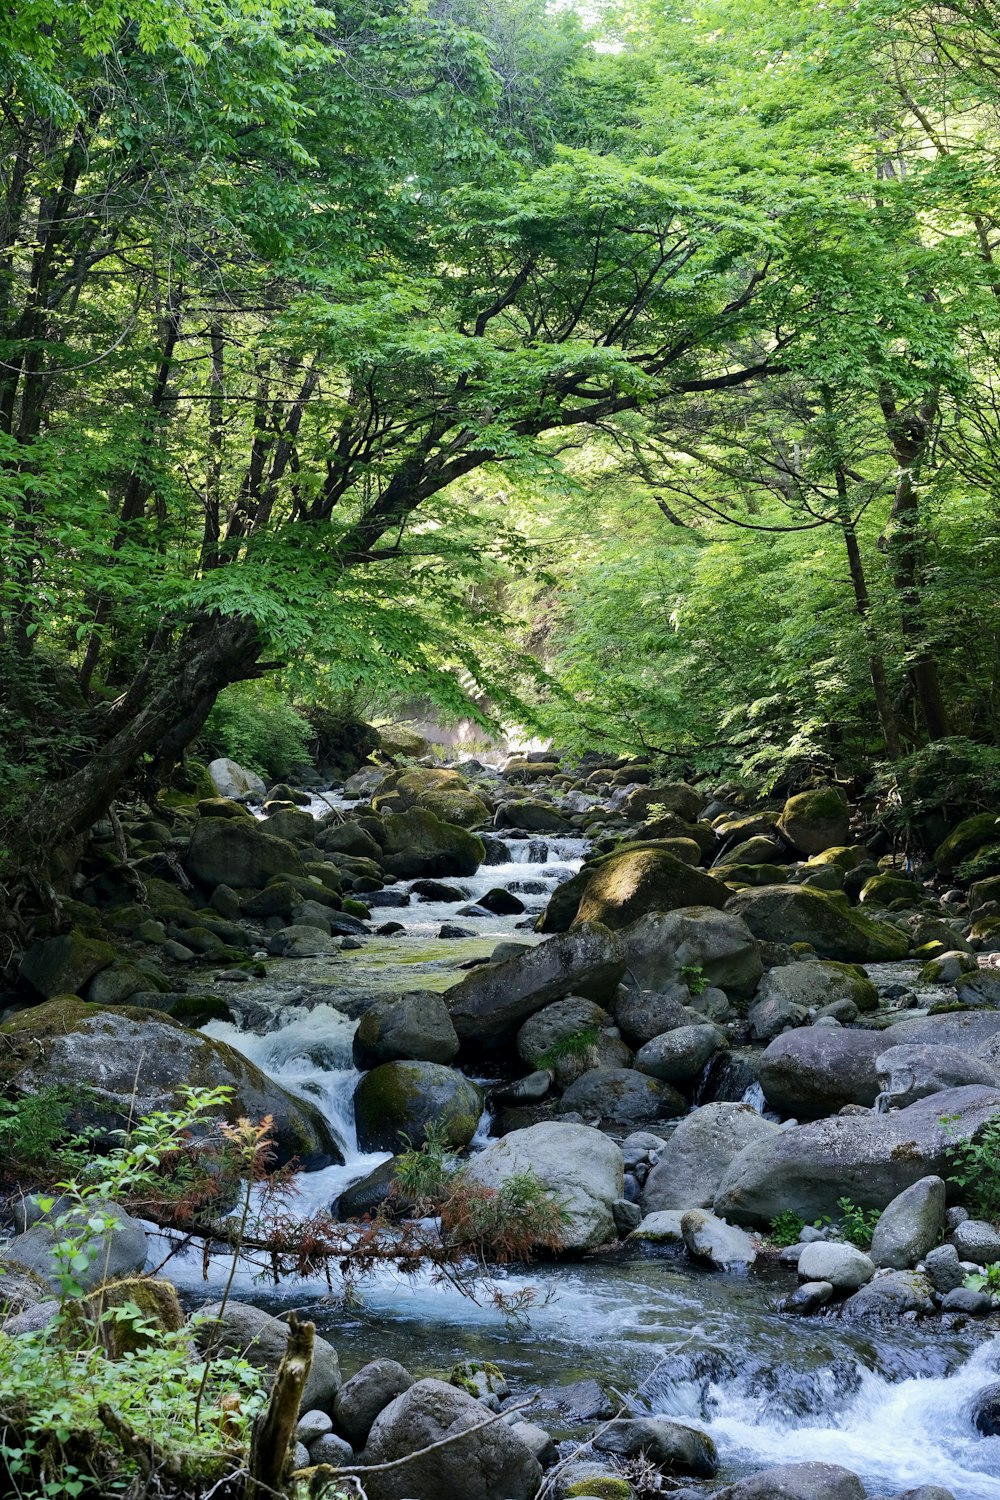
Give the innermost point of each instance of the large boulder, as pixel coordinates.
(396, 1102)
(660, 948)
(971, 834)
(671, 1446)
(798, 914)
(815, 1070)
(568, 1024)
(908, 1073)
(815, 820)
(797, 1482)
(367, 1393)
(63, 965)
(631, 882)
(415, 1026)
(677, 1057)
(531, 814)
(911, 1225)
(968, 1030)
(624, 1095)
(642, 1015)
(122, 1063)
(695, 1158)
(417, 842)
(811, 984)
(868, 1158)
(235, 852)
(580, 1166)
(107, 1254)
(234, 781)
(669, 797)
(239, 1329)
(723, 1246)
(492, 1001)
(492, 1463)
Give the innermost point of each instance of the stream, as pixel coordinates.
(890, 1403)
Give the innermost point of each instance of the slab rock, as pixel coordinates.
(491, 1464)
(799, 914)
(910, 1072)
(492, 1001)
(694, 1160)
(868, 1158)
(581, 1167)
(797, 1482)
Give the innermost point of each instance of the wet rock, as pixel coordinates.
(491, 1464)
(625, 885)
(502, 903)
(313, 1425)
(810, 984)
(815, 1071)
(723, 1246)
(623, 1095)
(531, 1089)
(797, 1482)
(331, 1449)
(643, 1014)
(492, 1001)
(911, 1225)
(962, 1299)
(134, 1062)
(986, 1411)
(576, 1164)
(867, 1158)
(769, 1019)
(236, 852)
(799, 914)
(232, 780)
(677, 1057)
(360, 1399)
(971, 834)
(694, 1160)
(243, 1331)
(978, 1241)
(889, 1297)
(662, 946)
(415, 1026)
(807, 1298)
(982, 987)
(844, 1266)
(538, 1440)
(908, 1073)
(943, 1268)
(661, 1227)
(396, 1102)
(419, 844)
(671, 1446)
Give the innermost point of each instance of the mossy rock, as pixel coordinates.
(970, 835)
(396, 1102)
(60, 965)
(815, 820)
(352, 908)
(734, 875)
(224, 807)
(456, 805)
(799, 914)
(420, 844)
(187, 785)
(602, 1487)
(843, 857)
(634, 881)
(94, 1316)
(981, 866)
(225, 851)
(197, 1010)
(883, 890)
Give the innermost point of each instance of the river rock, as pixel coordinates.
(969, 1030)
(816, 820)
(818, 984)
(671, 1446)
(581, 1167)
(491, 1464)
(816, 1070)
(303, 941)
(695, 1159)
(662, 946)
(677, 1057)
(889, 1296)
(360, 1399)
(493, 1000)
(311, 1426)
(113, 1253)
(844, 1266)
(134, 1061)
(236, 852)
(799, 914)
(63, 965)
(562, 1022)
(986, 1411)
(417, 843)
(911, 1225)
(943, 1268)
(770, 1018)
(642, 1014)
(243, 1331)
(867, 1158)
(971, 834)
(396, 1102)
(349, 838)
(724, 1246)
(978, 1241)
(625, 885)
(807, 1298)
(797, 1482)
(964, 1300)
(623, 1095)
(908, 1073)
(413, 1027)
(233, 780)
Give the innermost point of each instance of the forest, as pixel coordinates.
(534, 468)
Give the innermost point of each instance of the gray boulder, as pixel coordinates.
(578, 1165)
(63, 965)
(623, 1095)
(360, 1399)
(694, 1160)
(233, 780)
(492, 1001)
(797, 1482)
(867, 1158)
(816, 1070)
(799, 914)
(723, 1246)
(978, 1241)
(414, 1027)
(890, 1296)
(969, 1030)
(768, 1019)
(642, 1014)
(844, 1266)
(678, 1057)
(396, 1102)
(234, 851)
(671, 1446)
(811, 985)
(111, 1254)
(492, 1463)
(659, 948)
(910, 1225)
(562, 1022)
(910, 1072)
(944, 1270)
(240, 1329)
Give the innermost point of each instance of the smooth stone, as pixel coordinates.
(724, 1246)
(977, 1241)
(663, 1227)
(944, 1269)
(807, 1298)
(911, 1225)
(797, 1482)
(963, 1299)
(845, 1267)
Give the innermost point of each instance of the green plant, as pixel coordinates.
(577, 1045)
(857, 1224)
(695, 978)
(786, 1228)
(986, 1280)
(976, 1167)
(255, 724)
(35, 1140)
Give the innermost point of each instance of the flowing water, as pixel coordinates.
(891, 1403)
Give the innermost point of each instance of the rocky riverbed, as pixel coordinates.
(705, 1028)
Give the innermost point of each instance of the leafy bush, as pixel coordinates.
(976, 1169)
(950, 778)
(786, 1228)
(254, 724)
(36, 1144)
(857, 1225)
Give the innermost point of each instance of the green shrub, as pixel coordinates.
(951, 778)
(36, 1144)
(857, 1225)
(786, 1228)
(254, 724)
(976, 1168)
